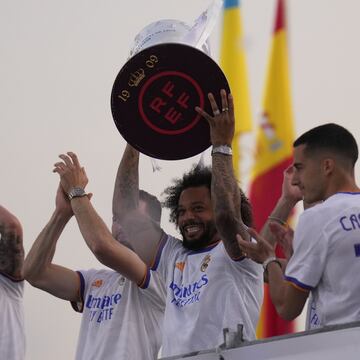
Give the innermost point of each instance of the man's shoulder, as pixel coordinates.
(314, 214)
(94, 273)
(340, 201)
(100, 282)
(325, 211)
(17, 282)
(172, 242)
(11, 285)
(169, 248)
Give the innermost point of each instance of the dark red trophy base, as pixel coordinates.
(154, 97)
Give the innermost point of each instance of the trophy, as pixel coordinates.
(168, 74)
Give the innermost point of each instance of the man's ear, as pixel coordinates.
(328, 166)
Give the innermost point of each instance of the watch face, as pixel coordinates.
(76, 192)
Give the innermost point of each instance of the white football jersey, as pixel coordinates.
(326, 260)
(12, 331)
(207, 291)
(118, 321)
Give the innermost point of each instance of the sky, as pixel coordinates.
(59, 60)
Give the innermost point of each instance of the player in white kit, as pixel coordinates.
(118, 322)
(210, 285)
(207, 291)
(326, 246)
(12, 331)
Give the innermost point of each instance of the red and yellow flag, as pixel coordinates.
(275, 135)
(233, 64)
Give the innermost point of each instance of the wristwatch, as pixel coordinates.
(76, 192)
(222, 149)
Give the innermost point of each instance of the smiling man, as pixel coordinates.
(210, 285)
(326, 254)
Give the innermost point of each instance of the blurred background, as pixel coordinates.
(58, 64)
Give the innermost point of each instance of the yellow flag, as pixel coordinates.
(233, 64)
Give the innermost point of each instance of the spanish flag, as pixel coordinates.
(233, 64)
(274, 138)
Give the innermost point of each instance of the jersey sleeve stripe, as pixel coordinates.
(145, 282)
(240, 258)
(297, 284)
(79, 306)
(13, 279)
(157, 257)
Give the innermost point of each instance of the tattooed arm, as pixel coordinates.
(126, 191)
(132, 225)
(225, 193)
(225, 196)
(39, 269)
(11, 245)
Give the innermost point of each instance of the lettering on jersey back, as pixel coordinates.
(350, 223)
(357, 250)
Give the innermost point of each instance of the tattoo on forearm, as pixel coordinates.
(224, 183)
(126, 194)
(226, 198)
(11, 251)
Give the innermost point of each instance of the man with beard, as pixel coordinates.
(210, 284)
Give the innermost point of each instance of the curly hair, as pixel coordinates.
(197, 177)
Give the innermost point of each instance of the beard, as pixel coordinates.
(203, 240)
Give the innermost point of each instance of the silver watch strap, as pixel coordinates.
(76, 192)
(222, 149)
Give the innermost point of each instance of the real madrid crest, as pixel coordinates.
(205, 263)
(122, 280)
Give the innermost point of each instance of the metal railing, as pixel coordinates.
(335, 342)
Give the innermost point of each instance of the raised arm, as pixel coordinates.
(131, 224)
(95, 232)
(225, 193)
(39, 269)
(11, 245)
(290, 196)
(126, 190)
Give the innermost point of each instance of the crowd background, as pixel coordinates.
(58, 63)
